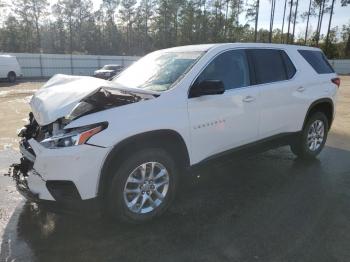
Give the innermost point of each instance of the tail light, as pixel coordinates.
(336, 81)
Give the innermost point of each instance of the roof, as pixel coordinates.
(7, 56)
(206, 47)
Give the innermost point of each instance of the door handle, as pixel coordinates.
(248, 99)
(301, 89)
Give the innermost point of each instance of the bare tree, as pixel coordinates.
(272, 16)
(284, 15)
(289, 19)
(307, 22)
(295, 19)
(321, 5)
(329, 24)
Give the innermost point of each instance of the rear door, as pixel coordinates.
(221, 122)
(274, 75)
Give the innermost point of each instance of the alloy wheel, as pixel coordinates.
(315, 135)
(146, 187)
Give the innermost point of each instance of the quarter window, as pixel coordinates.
(230, 67)
(317, 60)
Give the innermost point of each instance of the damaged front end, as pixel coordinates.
(19, 173)
(22, 170)
(38, 176)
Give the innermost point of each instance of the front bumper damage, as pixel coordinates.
(19, 173)
(64, 179)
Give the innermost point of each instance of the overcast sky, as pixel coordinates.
(341, 15)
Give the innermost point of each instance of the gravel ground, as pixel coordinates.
(265, 207)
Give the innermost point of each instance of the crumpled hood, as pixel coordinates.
(60, 95)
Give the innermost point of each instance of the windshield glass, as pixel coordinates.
(157, 71)
(110, 67)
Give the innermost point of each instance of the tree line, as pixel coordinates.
(131, 27)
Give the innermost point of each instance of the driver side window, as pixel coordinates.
(230, 67)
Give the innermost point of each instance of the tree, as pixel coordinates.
(12, 37)
(2, 6)
(136, 27)
(322, 8)
(289, 19)
(253, 15)
(109, 7)
(272, 16)
(126, 15)
(284, 15)
(307, 22)
(295, 19)
(74, 14)
(346, 31)
(329, 23)
(31, 12)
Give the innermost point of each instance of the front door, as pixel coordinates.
(224, 121)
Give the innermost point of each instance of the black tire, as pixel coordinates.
(116, 205)
(300, 147)
(11, 77)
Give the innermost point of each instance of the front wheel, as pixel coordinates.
(143, 186)
(312, 138)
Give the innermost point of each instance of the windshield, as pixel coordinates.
(157, 71)
(111, 67)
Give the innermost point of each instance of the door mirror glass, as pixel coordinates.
(207, 87)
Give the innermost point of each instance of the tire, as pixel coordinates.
(11, 77)
(130, 169)
(309, 144)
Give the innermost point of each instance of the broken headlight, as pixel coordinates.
(75, 137)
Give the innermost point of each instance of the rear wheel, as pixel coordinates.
(312, 138)
(143, 186)
(11, 77)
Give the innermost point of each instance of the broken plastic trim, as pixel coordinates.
(104, 99)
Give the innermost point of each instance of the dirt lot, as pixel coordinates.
(267, 207)
(14, 109)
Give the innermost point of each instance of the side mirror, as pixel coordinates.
(207, 87)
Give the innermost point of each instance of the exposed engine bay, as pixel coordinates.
(101, 100)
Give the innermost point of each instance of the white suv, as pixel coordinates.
(123, 144)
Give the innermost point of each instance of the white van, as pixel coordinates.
(9, 68)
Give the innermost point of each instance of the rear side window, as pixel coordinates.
(290, 69)
(317, 60)
(271, 65)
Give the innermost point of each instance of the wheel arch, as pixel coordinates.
(11, 72)
(167, 139)
(324, 105)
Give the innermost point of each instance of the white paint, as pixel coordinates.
(208, 125)
(9, 64)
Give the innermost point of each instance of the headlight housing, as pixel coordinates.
(74, 137)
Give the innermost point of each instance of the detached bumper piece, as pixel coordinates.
(19, 173)
(65, 193)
